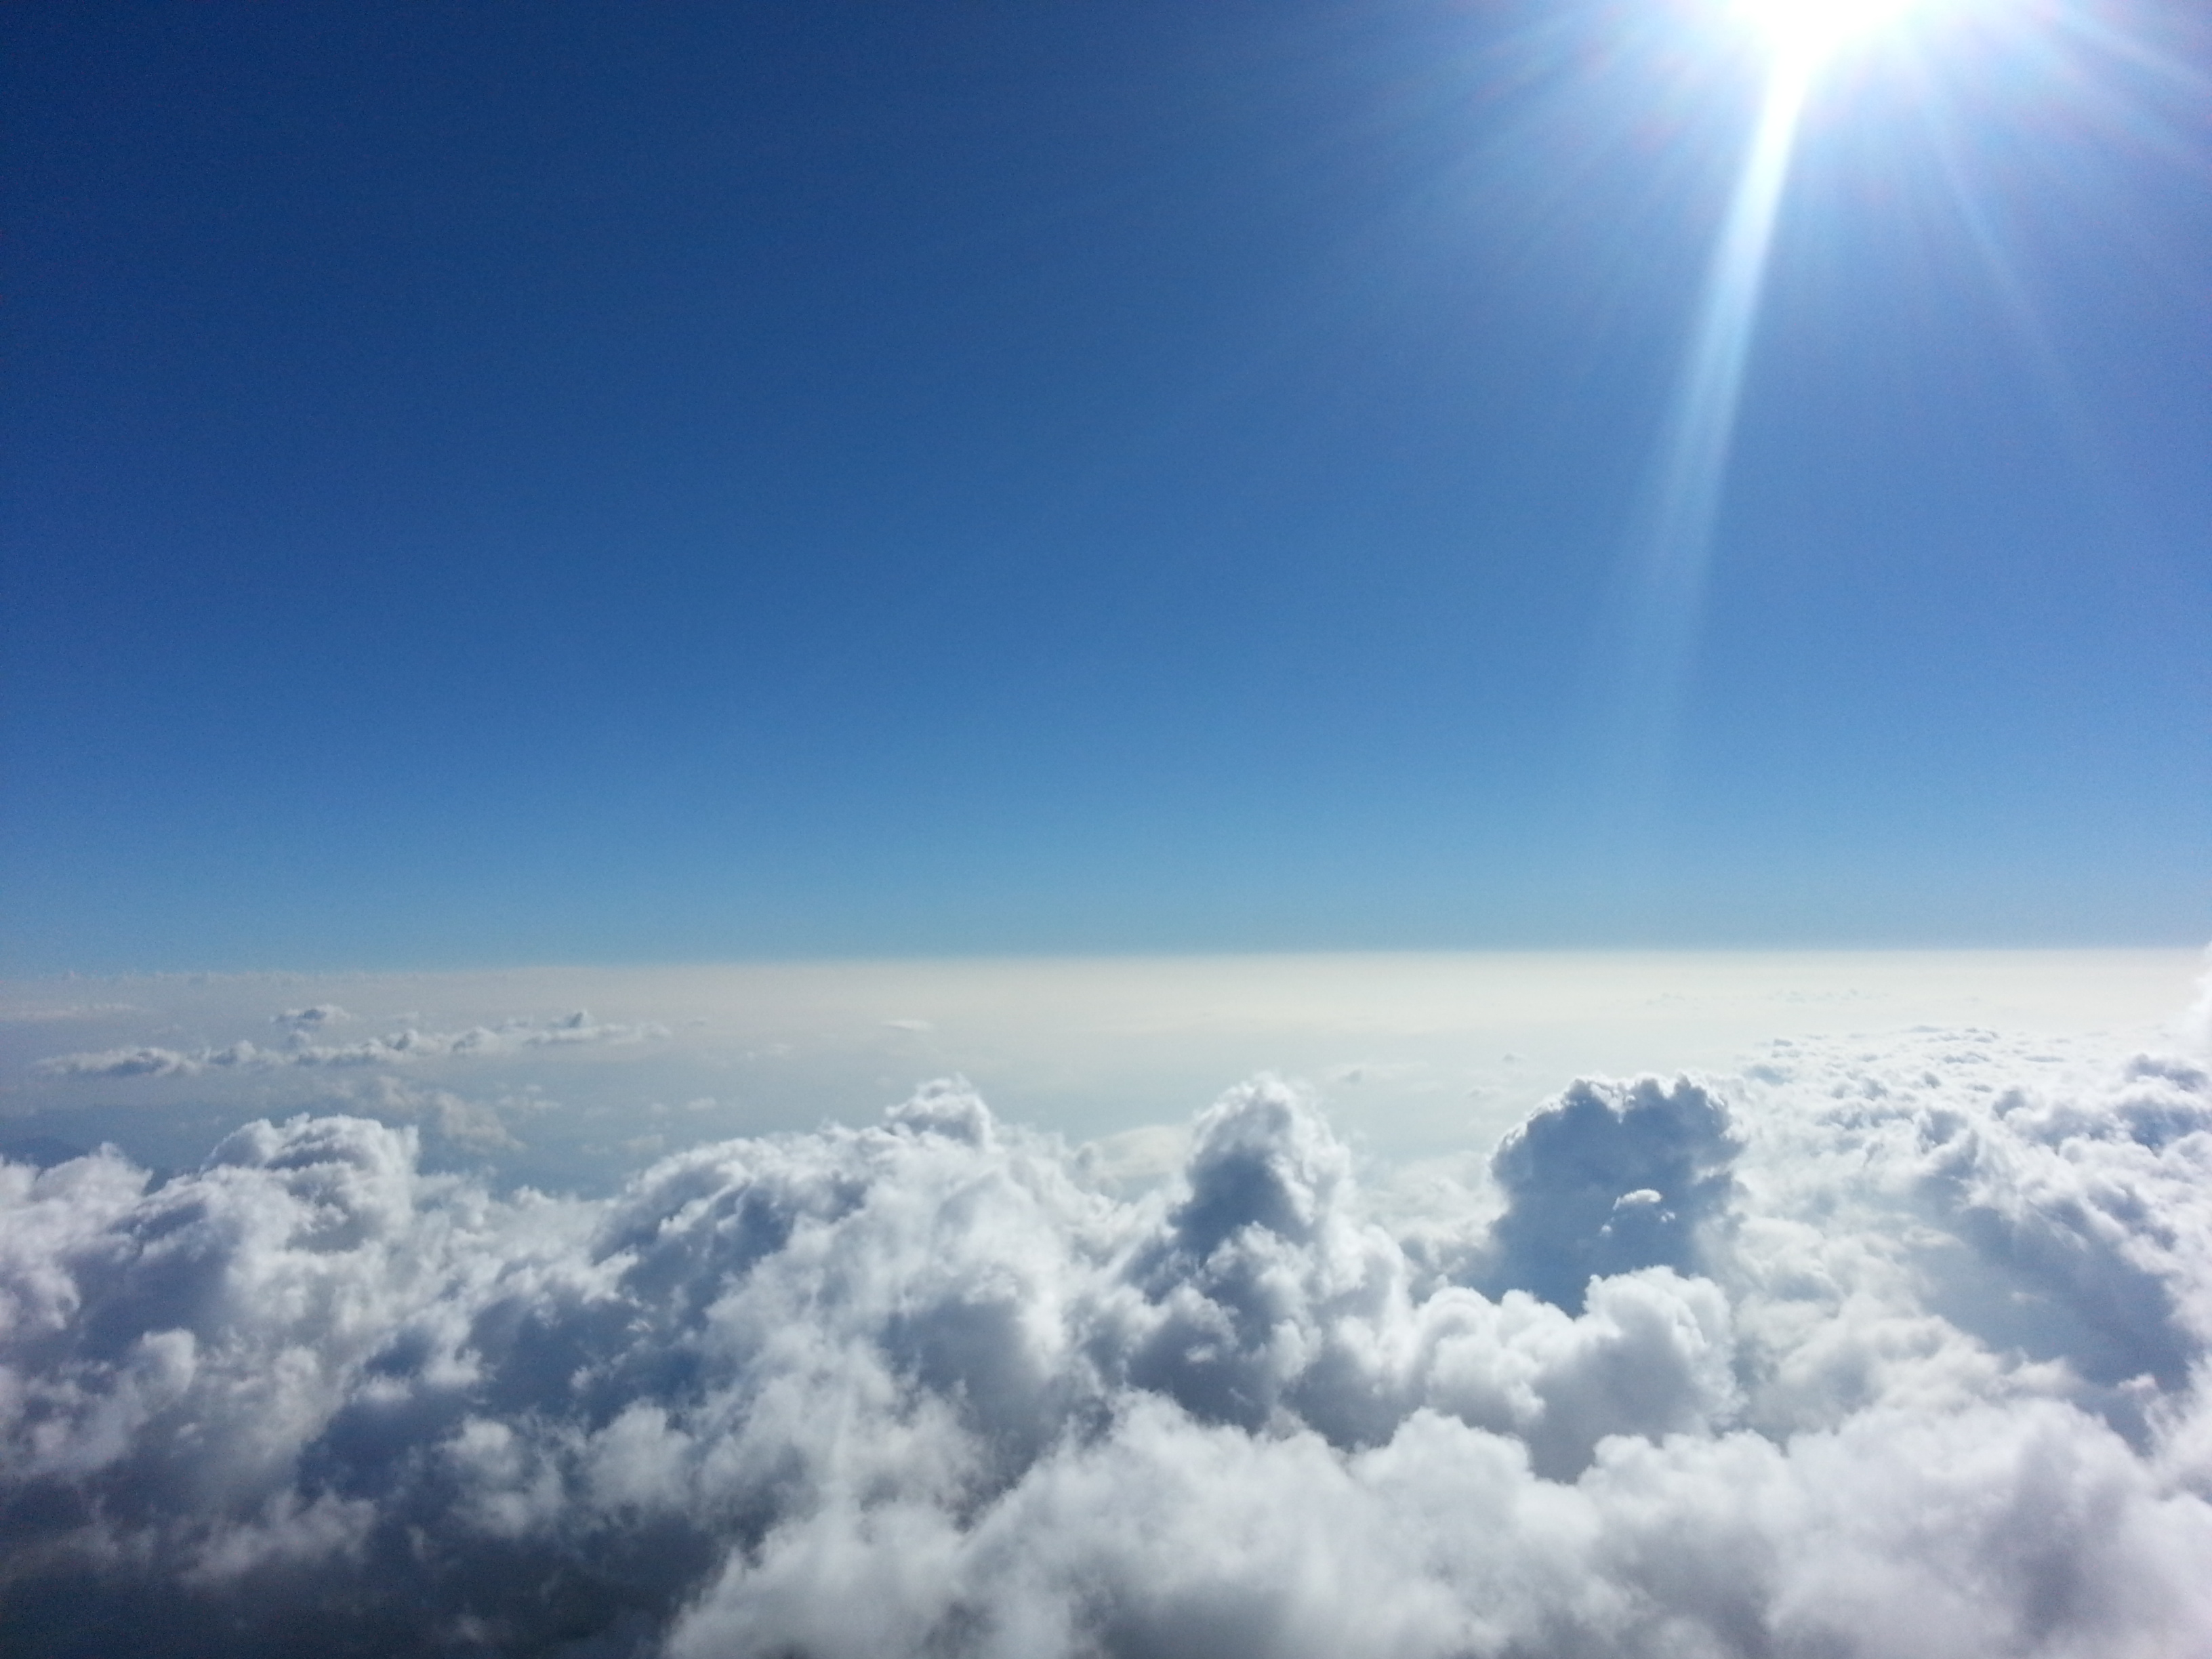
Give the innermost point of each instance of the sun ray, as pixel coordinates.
(1673, 545)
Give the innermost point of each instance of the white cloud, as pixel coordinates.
(2196, 1023)
(399, 1047)
(1891, 1349)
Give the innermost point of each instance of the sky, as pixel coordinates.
(493, 485)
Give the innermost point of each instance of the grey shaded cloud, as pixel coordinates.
(1606, 1179)
(1715, 1381)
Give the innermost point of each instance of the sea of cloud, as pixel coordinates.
(1891, 1346)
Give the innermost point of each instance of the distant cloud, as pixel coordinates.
(311, 1019)
(2196, 1023)
(1889, 1351)
(399, 1048)
(1371, 1071)
(478, 1125)
(139, 1062)
(41, 1013)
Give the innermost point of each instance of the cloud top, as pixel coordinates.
(1606, 1179)
(1898, 1355)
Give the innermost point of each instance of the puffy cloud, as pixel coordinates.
(1891, 1353)
(399, 1047)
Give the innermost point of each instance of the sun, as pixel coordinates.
(1809, 30)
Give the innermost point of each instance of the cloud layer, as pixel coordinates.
(396, 1049)
(1900, 1352)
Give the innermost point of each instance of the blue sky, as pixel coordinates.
(492, 484)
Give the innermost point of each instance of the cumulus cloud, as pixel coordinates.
(1606, 1179)
(1892, 1353)
(399, 1047)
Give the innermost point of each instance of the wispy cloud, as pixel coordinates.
(397, 1049)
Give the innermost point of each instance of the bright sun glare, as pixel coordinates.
(1809, 29)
